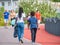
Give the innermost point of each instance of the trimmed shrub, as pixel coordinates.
(1, 16)
(56, 0)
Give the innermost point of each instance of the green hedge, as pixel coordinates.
(1, 16)
(56, 0)
(1, 22)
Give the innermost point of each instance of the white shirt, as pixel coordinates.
(28, 17)
(21, 19)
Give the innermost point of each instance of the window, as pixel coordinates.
(9, 3)
(15, 3)
(2, 3)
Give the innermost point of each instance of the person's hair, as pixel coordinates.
(5, 10)
(20, 12)
(32, 13)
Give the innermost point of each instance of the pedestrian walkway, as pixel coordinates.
(43, 37)
(6, 37)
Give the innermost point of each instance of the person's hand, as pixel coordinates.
(38, 28)
(28, 28)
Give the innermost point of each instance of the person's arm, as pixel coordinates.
(28, 23)
(24, 17)
(37, 22)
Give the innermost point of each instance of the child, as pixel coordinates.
(32, 22)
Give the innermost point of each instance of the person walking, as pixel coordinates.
(33, 24)
(28, 15)
(20, 24)
(6, 18)
(12, 16)
(38, 16)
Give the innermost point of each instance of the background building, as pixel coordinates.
(9, 4)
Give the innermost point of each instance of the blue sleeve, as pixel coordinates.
(4, 13)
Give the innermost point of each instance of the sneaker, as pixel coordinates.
(21, 41)
(33, 43)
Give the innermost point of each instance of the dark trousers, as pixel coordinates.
(33, 34)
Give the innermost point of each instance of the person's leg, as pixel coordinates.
(39, 24)
(5, 22)
(35, 30)
(15, 32)
(19, 32)
(22, 31)
(32, 35)
(39, 21)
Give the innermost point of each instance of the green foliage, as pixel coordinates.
(56, 0)
(45, 9)
(28, 6)
(1, 22)
(58, 15)
(1, 12)
(1, 16)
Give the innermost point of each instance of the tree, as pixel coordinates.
(46, 9)
(1, 12)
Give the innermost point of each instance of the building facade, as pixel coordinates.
(9, 4)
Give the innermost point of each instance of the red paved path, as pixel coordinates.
(44, 37)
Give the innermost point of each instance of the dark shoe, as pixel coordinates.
(21, 41)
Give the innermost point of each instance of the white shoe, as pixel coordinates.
(33, 43)
(38, 44)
